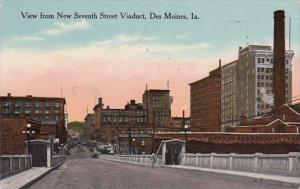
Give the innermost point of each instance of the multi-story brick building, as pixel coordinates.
(89, 121)
(158, 102)
(254, 81)
(48, 110)
(205, 102)
(228, 95)
(121, 126)
(12, 140)
(177, 122)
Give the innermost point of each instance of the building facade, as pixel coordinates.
(12, 139)
(179, 122)
(205, 102)
(47, 110)
(254, 81)
(158, 102)
(228, 95)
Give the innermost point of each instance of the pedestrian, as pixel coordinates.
(153, 160)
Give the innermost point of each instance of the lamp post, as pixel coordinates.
(133, 140)
(185, 129)
(28, 135)
(143, 146)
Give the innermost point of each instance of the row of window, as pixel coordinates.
(121, 119)
(122, 112)
(270, 60)
(29, 104)
(6, 111)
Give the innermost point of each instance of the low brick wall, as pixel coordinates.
(11, 164)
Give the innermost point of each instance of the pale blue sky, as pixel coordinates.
(222, 24)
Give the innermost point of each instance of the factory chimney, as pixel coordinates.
(279, 59)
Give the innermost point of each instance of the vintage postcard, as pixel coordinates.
(149, 94)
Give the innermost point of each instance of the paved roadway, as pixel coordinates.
(100, 174)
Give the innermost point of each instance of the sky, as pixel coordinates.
(116, 58)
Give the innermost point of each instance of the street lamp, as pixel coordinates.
(143, 146)
(133, 140)
(28, 135)
(185, 129)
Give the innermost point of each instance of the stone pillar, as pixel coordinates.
(231, 160)
(163, 154)
(256, 162)
(10, 164)
(49, 156)
(197, 160)
(212, 159)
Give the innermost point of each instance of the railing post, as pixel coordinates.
(256, 162)
(197, 160)
(19, 163)
(212, 159)
(10, 165)
(231, 160)
(292, 158)
(184, 158)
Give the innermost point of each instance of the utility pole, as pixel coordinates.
(129, 132)
(153, 129)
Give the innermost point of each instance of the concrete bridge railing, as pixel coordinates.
(137, 159)
(57, 159)
(11, 164)
(277, 164)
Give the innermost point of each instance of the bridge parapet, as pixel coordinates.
(276, 164)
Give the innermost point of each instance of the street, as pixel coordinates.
(95, 173)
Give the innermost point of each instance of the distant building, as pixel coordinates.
(286, 119)
(119, 126)
(254, 81)
(89, 121)
(158, 102)
(177, 122)
(205, 102)
(228, 95)
(47, 110)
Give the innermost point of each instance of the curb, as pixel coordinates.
(258, 179)
(40, 177)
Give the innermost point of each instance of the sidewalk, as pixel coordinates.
(284, 181)
(23, 178)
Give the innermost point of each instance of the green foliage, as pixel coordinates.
(77, 126)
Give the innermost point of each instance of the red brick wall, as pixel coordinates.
(237, 143)
(206, 102)
(12, 140)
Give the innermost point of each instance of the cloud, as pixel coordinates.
(133, 38)
(182, 36)
(28, 39)
(134, 46)
(58, 28)
(1, 3)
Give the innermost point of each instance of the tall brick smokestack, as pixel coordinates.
(279, 59)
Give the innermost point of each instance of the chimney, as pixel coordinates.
(132, 102)
(100, 101)
(279, 59)
(220, 63)
(9, 94)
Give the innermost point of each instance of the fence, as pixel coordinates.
(56, 160)
(11, 164)
(277, 164)
(137, 159)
